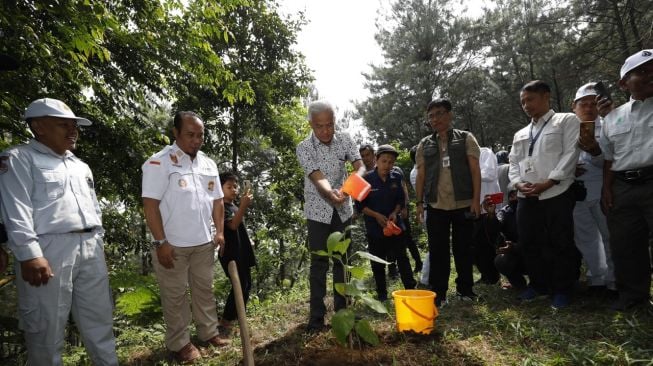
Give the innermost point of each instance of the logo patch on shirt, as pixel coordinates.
(155, 162)
(174, 159)
(4, 167)
(211, 186)
(182, 183)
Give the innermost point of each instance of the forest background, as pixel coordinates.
(129, 64)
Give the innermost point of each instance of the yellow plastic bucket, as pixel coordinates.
(415, 310)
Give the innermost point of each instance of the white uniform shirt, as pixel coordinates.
(489, 173)
(554, 153)
(593, 177)
(627, 135)
(44, 193)
(186, 190)
(413, 176)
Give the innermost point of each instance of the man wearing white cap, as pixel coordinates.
(590, 226)
(55, 233)
(627, 144)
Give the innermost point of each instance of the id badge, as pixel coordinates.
(446, 162)
(527, 168)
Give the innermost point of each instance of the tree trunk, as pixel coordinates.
(625, 49)
(282, 265)
(556, 88)
(235, 140)
(632, 17)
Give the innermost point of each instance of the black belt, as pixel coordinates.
(82, 231)
(635, 176)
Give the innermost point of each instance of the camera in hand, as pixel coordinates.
(601, 90)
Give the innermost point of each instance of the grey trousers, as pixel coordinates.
(81, 285)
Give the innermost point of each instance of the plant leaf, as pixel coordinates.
(322, 253)
(371, 257)
(365, 331)
(333, 240)
(342, 323)
(341, 246)
(374, 304)
(340, 288)
(357, 272)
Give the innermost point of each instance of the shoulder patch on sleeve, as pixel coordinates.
(155, 162)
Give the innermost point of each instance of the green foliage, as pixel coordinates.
(344, 322)
(481, 64)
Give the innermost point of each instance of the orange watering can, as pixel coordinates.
(357, 187)
(391, 229)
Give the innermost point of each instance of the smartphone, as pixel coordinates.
(247, 186)
(602, 91)
(587, 130)
(496, 198)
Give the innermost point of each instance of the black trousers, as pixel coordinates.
(386, 248)
(630, 222)
(546, 236)
(440, 225)
(484, 252)
(511, 265)
(410, 243)
(317, 236)
(245, 277)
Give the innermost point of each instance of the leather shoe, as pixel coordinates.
(219, 340)
(187, 355)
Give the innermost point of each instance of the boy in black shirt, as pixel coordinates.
(237, 245)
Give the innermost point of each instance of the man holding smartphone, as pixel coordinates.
(627, 196)
(590, 226)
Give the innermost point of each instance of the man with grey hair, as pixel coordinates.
(322, 156)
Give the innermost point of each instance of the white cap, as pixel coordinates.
(585, 90)
(52, 108)
(641, 57)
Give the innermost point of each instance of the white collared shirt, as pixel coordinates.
(44, 193)
(555, 153)
(186, 190)
(627, 135)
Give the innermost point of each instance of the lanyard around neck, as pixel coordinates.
(531, 143)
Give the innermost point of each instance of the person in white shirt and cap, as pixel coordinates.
(627, 196)
(182, 196)
(590, 226)
(542, 163)
(54, 225)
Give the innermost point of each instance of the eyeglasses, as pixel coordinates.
(437, 114)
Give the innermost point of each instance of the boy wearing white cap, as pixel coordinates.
(627, 144)
(590, 226)
(55, 232)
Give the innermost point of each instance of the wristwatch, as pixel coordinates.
(158, 243)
